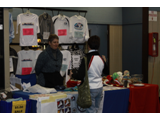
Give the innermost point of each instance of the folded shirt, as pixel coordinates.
(16, 99)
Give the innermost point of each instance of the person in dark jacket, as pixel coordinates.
(49, 63)
(96, 65)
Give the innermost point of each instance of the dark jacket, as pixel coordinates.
(46, 63)
(81, 72)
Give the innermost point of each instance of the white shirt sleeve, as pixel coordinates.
(86, 30)
(18, 71)
(70, 28)
(18, 22)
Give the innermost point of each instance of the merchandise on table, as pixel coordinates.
(79, 29)
(29, 27)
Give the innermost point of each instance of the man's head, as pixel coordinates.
(94, 42)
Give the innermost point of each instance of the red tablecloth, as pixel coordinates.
(144, 99)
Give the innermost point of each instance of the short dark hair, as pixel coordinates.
(94, 42)
(52, 37)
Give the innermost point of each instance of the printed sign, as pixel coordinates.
(26, 71)
(78, 34)
(28, 31)
(152, 15)
(62, 32)
(18, 106)
(76, 60)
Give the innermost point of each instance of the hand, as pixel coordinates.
(104, 58)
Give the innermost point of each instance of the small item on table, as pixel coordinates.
(116, 79)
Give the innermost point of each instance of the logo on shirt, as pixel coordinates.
(27, 23)
(65, 23)
(78, 26)
(73, 98)
(67, 103)
(64, 59)
(60, 104)
(24, 60)
(68, 110)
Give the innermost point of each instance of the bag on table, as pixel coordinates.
(84, 97)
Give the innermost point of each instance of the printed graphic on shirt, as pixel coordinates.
(78, 26)
(67, 103)
(78, 34)
(26, 71)
(73, 98)
(64, 67)
(65, 23)
(27, 23)
(28, 31)
(62, 32)
(73, 110)
(25, 60)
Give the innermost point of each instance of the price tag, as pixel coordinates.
(46, 35)
(11, 64)
(76, 60)
(78, 34)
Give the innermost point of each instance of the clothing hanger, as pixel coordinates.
(75, 46)
(27, 12)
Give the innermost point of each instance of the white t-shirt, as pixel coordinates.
(61, 27)
(29, 27)
(66, 61)
(79, 29)
(26, 61)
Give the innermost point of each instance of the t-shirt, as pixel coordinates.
(61, 27)
(79, 29)
(66, 61)
(27, 61)
(29, 27)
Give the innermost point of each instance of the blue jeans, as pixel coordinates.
(96, 97)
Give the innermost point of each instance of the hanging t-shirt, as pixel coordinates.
(29, 27)
(27, 61)
(11, 28)
(76, 58)
(66, 61)
(79, 29)
(61, 27)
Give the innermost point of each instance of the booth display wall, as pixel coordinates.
(154, 27)
(96, 15)
(132, 40)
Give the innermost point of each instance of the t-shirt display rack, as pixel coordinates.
(53, 9)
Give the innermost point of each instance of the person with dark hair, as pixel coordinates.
(49, 63)
(96, 66)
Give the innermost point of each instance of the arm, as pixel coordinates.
(40, 63)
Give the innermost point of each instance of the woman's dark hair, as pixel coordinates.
(94, 42)
(52, 37)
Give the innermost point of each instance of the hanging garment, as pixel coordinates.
(27, 61)
(61, 27)
(79, 29)
(46, 26)
(14, 57)
(66, 61)
(11, 28)
(29, 27)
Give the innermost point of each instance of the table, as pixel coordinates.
(115, 101)
(144, 99)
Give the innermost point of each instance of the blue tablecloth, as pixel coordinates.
(115, 101)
